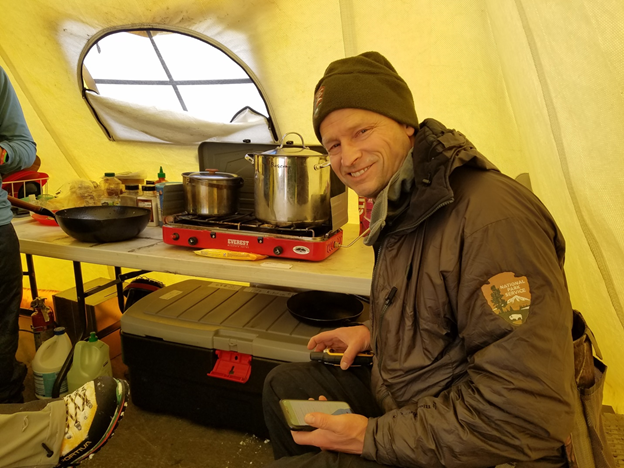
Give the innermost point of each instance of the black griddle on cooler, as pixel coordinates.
(201, 350)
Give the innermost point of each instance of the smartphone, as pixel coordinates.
(295, 411)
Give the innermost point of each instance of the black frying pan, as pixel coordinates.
(324, 309)
(95, 223)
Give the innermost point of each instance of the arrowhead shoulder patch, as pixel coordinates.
(509, 296)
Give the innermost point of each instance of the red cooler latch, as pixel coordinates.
(231, 365)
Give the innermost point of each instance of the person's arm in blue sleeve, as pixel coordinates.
(17, 147)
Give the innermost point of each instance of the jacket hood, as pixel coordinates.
(438, 151)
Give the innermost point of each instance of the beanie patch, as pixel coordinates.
(318, 98)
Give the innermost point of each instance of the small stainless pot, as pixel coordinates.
(211, 193)
(291, 185)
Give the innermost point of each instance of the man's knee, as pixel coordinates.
(284, 376)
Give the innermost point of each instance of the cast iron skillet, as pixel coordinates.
(95, 223)
(324, 309)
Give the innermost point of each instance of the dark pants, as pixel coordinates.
(12, 372)
(301, 381)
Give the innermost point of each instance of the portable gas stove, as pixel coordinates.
(244, 233)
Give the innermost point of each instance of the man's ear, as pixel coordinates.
(409, 130)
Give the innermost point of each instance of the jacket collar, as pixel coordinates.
(438, 151)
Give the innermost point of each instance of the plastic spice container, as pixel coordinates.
(149, 199)
(129, 197)
(112, 188)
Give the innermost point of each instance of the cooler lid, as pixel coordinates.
(228, 317)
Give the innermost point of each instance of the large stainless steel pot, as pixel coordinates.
(291, 185)
(211, 193)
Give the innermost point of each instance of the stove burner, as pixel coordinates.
(248, 222)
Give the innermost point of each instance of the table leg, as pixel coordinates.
(32, 279)
(30, 272)
(90, 321)
(89, 316)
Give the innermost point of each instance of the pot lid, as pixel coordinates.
(290, 150)
(214, 175)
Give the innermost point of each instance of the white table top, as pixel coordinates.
(348, 270)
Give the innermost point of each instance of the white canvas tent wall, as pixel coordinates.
(537, 85)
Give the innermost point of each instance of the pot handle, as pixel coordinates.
(292, 133)
(249, 158)
(322, 166)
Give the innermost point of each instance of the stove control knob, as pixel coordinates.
(175, 236)
(192, 240)
(278, 250)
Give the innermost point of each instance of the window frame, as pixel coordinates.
(184, 31)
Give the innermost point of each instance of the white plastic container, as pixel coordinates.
(91, 359)
(48, 361)
(149, 199)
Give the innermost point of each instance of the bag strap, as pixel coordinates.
(594, 343)
(590, 335)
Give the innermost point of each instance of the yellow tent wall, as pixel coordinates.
(538, 86)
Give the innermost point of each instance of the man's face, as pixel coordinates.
(365, 148)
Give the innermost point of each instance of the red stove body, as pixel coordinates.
(243, 233)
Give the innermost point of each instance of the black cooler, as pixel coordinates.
(201, 350)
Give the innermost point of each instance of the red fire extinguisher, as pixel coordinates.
(43, 322)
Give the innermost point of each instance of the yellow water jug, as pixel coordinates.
(91, 359)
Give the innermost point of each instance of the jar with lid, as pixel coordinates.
(149, 199)
(112, 188)
(129, 195)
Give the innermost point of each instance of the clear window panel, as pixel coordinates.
(124, 56)
(219, 103)
(192, 59)
(125, 66)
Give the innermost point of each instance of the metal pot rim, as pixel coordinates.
(213, 176)
(290, 150)
(297, 151)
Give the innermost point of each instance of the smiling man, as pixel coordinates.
(470, 315)
(365, 148)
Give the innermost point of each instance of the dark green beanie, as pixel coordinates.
(366, 81)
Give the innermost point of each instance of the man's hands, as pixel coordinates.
(342, 433)
(345, 432)
(349, 340)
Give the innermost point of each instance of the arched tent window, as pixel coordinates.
(165, 86)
